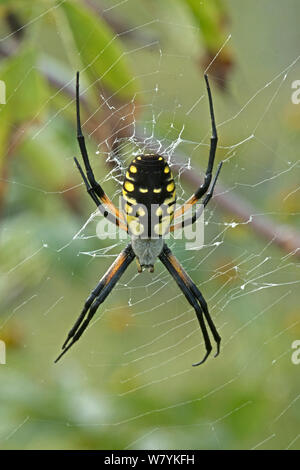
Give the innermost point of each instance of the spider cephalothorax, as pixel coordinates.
(148, 214)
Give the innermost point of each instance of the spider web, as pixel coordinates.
(130, 376)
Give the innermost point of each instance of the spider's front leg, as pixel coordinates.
(212, 153)
(197, 214)
(194, 297)
(97, 297)
(93, 187)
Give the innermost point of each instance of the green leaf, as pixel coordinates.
(25, 92)
(43, 158)
(100, 50)
(210, 18)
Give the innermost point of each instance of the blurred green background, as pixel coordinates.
(128, 382)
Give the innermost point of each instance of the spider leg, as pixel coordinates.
(97, 296)
(191, 220)
(212, 153)
(208, 318)
(194, 297)
(95, 186)
(98, 203)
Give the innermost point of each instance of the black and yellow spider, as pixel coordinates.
(148, 213)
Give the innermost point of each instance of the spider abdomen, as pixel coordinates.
(149, 196)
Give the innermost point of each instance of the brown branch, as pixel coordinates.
(284, 236)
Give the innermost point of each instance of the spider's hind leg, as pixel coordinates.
(97, 297)
(194, 297)
(208, 318)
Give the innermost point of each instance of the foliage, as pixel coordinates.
(46, 273)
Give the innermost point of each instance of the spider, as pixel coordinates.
(148, 184)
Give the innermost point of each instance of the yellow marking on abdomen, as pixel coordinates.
(129, 199)
(129, 177)
(170, 187)
(135, 227)
(170, 199)
(141, 212)
(129, 186)
(161, 227)
(133, 169)
(128, 209)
